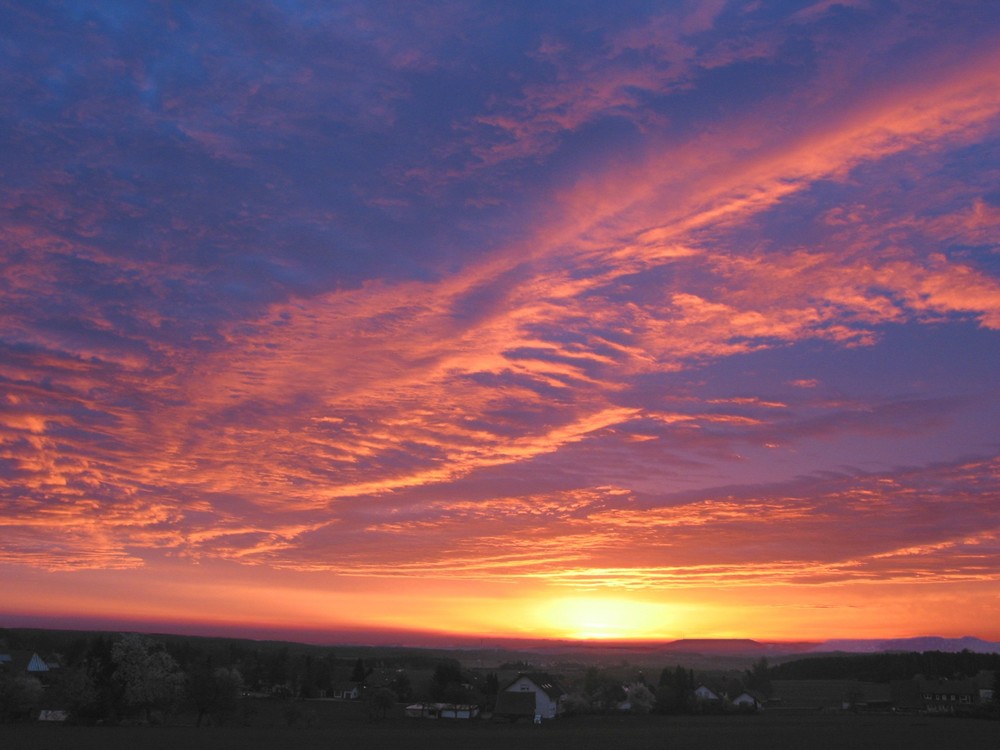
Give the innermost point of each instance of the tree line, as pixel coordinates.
(111, 678)
(887, 667)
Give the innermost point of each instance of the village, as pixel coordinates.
(135, 679)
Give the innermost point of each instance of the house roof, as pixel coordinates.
(445, 706)
(956, 687)
(546, 682)
(37, 664)
(516, 703)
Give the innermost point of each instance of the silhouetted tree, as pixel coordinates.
(447, 680)
(214, 692)
(602, 690)
(276, 668)
(100, 667)
(400, 686)
(77, 691)
(675, 691)
(380, 700)
(758, 678)
(492, 686)
(358, 674)
(19, 696)
(457, 692)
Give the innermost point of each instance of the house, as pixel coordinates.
(37, 665)
(531, 695)
(749, 701)
(30, 663)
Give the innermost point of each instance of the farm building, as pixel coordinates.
(955, 696)
(442, 711)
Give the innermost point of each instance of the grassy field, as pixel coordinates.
(809, 731)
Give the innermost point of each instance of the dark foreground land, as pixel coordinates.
(810, 731)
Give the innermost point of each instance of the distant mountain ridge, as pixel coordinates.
(746, 646)
(711, 648)
(921, 643)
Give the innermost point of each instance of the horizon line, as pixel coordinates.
(392, 638)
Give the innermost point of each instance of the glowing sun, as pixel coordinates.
(608, 618)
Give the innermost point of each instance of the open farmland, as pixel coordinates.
(815, 731)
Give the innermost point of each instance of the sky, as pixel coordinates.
(408, 322)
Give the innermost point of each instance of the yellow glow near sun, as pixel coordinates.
(601, 617)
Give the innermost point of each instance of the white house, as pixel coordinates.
(513, 701)
(747, 699)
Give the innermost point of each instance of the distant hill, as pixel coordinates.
(735, 646)
(923, 643)
(749, 647)
(716, 646)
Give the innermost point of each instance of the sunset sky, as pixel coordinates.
(400, 322)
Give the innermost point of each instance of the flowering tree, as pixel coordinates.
(640, 698)
(150, 678)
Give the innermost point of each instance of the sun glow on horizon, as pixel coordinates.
(609, 618)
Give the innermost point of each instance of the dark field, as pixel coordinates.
(811, 731)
